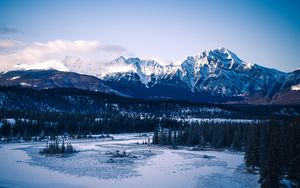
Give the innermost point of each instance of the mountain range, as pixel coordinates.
(214, 76)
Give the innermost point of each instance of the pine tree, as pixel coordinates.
(63, 147)
(6, 130)
(169, 137)
(294, 152)
(175, 141)
(237, 142)
(263, 150)
(294, 167)
(155, 137)
(272, 168)
(251, 154)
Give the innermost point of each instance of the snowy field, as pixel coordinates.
(143, 166)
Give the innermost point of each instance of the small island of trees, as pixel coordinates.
(54, 148)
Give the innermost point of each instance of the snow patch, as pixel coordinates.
(15, 77)
(218, 120)
(10, 121)
(119, 69)
(24, 84)
(295, 87)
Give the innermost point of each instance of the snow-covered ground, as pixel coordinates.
(219, 120)
(143, 166)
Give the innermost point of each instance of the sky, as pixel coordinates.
(264, 32)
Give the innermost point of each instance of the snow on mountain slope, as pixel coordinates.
(296, 87)
(46, 65)
(78, 65)
(218, 72)
(221, 72)
(218, 75)
(145, 69)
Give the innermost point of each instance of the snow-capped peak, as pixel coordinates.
(195, 71)
(217, 72)
(209, 63)
(45, 65)
(120, 60)
(224, 58)
(143, 68)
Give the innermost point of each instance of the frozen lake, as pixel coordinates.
(144, 166)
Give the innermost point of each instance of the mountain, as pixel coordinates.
(48, 79)
(289, 90)
(218, 76)
(211, 76)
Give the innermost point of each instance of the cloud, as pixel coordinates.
(9, 30)
(89, 50)
(57, 48)
(113, 48)
(8, 43)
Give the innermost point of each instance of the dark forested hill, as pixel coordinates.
(76, 101)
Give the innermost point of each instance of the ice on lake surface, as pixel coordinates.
(143, 166)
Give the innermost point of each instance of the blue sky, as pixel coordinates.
(259, 31)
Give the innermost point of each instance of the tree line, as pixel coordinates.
(74, 125)
(272, 148)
